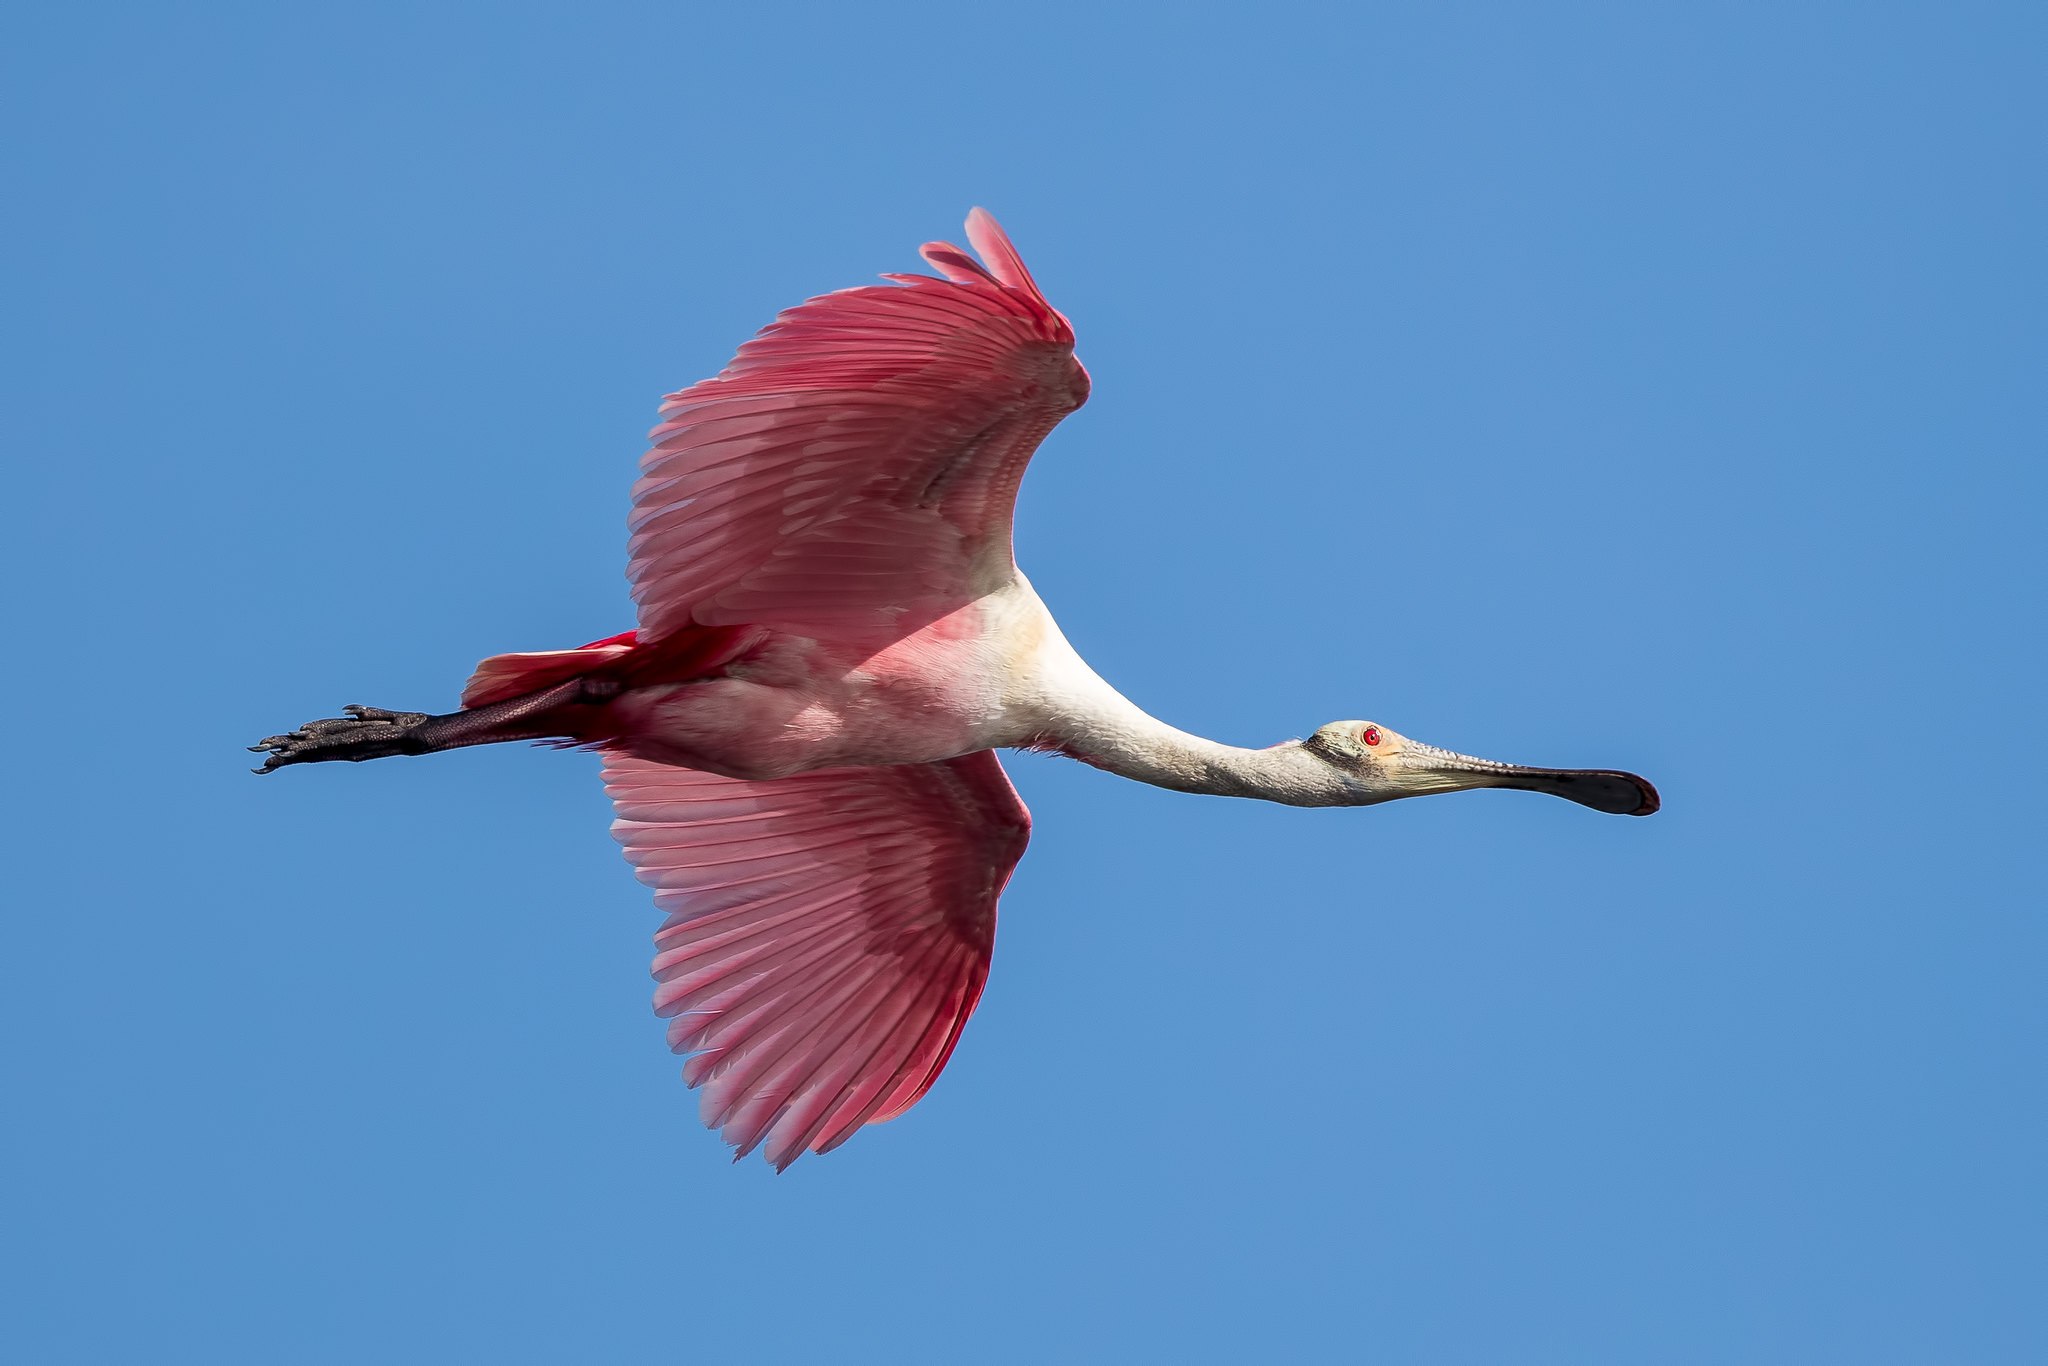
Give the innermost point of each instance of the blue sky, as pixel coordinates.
(1655, 386)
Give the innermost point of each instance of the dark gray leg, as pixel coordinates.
(373, 733)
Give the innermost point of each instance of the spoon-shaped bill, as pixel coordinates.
(1603, 789)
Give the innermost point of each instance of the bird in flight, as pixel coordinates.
(799, 736)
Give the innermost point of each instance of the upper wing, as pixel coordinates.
(852, 472)
(827, 935)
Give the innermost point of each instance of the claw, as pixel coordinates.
(365, 733)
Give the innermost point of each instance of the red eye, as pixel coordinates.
(1371, 735)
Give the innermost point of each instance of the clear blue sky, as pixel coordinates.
(1656, 386)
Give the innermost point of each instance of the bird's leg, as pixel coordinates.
(374, 733)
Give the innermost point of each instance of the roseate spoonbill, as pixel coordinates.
(833, 641)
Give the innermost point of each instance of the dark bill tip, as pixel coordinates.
(1650, 800)
(1603, 789)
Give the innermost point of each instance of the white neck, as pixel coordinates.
(1081, 715)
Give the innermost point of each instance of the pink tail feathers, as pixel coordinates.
(503, 677)
(678, 657)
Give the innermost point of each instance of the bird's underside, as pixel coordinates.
(798, 737)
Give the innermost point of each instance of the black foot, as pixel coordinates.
(365, 733)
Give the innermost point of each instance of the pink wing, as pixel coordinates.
(828, 934)
(851, 474)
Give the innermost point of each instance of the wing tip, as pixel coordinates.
(1000, 265)
(955, 264)
(994, 246)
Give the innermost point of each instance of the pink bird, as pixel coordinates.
(833, 641)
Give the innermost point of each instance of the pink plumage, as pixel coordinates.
(828, 934)
(849, 476)
(854, 467)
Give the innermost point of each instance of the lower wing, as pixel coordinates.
(827, 935)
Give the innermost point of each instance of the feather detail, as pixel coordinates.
(828, 935)
(852, 472)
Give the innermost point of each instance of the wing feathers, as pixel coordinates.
(839, 416)
(828, 936)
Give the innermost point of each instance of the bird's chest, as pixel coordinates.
(930, 696)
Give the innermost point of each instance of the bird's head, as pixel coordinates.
(1378, 764)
